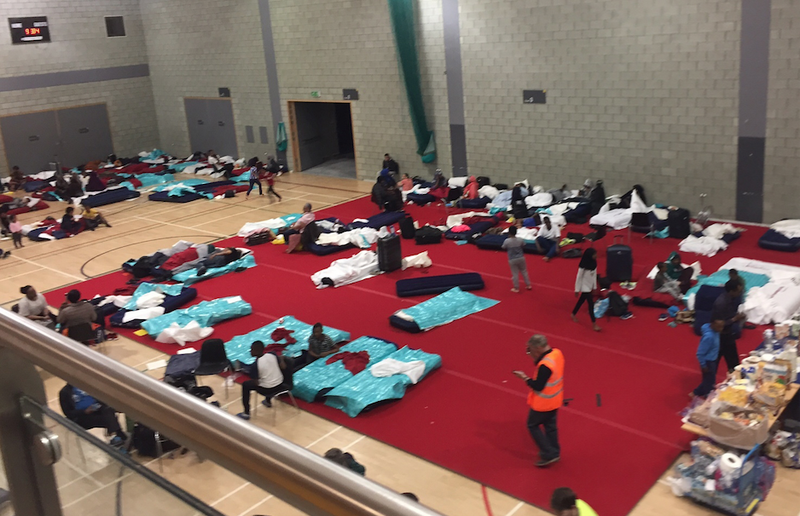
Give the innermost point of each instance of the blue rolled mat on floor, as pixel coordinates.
(427, 285)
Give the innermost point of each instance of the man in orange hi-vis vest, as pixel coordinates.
(545, 397)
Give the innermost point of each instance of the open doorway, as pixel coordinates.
(322, 138)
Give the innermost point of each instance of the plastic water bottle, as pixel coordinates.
(769, 341)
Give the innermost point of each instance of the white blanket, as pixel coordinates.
(250, 227)
(562, 208)
(539, 200)
(150, 300)
(389, 367)
(455, 220)
(777, 300)
(418, 260)
(360, 237)
(119, 301)
(488, 191)
(615, 219)
(720, 230)
(788, 228)
(705, 245)
(348, 270)
(190, 333)
(145, 313)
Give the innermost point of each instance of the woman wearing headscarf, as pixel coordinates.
(676, 271)
(586, 284)
(440, 187)
(471, 190)
(518, 207)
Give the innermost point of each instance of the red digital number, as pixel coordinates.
(32, 32)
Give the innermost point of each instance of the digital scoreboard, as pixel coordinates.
(33, 29)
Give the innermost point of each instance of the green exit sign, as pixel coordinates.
(315, 94)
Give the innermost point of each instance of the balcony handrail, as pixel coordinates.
(305, 480)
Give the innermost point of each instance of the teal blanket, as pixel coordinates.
(238, 348)
(364, 390)
(320, 376)
(144, 288)
(719, 278)
(189, 277)
(447, 307)
(178, 167)
(206, 314)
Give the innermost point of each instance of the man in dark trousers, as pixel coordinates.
(546, 396)
(726, 307)
(391, 164)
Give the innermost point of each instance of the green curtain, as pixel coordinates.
(402, 14)
(281, 141)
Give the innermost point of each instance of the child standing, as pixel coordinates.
(708, 357)
(256, 169)
(271, 175)
(16, 231)
(516, 258)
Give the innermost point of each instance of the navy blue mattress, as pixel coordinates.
(478, 227)
(170, 303)
(32, 186)
(386, 218)
(404, 325)
(703, 302)
(438, 284)
(778, 242)
(325, 250)
(474, 204)
(421, 199)
(110, 197)
(495, 242)
(165, 197)
(578, 213)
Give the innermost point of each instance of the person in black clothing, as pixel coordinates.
(89, 413)
(219, 258)
(68, 223)
(75, 187)
(391, 164)
(726, 307)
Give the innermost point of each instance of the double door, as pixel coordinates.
(211, 126)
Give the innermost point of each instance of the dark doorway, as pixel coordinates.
(323, 137)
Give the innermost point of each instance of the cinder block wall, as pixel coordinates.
(79, 42)
(326, 46)
(194, 48)
(637, 92)
(782, 164)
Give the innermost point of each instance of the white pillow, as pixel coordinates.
(458, 181)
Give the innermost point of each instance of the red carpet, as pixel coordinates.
(628, 382)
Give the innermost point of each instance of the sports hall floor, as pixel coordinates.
(139, 227)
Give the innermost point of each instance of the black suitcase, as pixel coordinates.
(260, 237)
(483, 181)
(678, 223)
(407, 229)
(428, 235)
(619, 262)
(390, 257)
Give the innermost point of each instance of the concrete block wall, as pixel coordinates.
(79, 42)
(782, 163)
(637, 92)
(197, 46)
(329, 45)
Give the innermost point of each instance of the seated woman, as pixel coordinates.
(219, 258)
(471, 190)
(405, 184)
(663, 283)
(75, 187)
(68, 222)
(676, 271)
(548, 238)
(294, 232)
(440, 187)
(93, 217)
(34, 307)
(95, 184)
(17, 179)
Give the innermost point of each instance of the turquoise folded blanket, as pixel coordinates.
(189, 277)
(206, 314)
(447, 307)
(144, 288)
(238, 348)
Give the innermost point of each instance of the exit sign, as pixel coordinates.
(315, 94)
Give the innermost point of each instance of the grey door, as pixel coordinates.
(31, 140)
(85, 134)
(199, 124)
(223, 131)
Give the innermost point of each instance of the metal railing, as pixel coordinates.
(300, 478)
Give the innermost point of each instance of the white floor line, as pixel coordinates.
(83, 474)
(515, 509)
(18, 275)
(247, 511)
(189, 228)
(323, 437)
(120, 479)
(48, 268)
(353, 443)
(230, 494)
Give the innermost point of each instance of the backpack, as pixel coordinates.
(616, 305)
(572, 253)
(144, 440)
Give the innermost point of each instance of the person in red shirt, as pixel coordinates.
(271, 175)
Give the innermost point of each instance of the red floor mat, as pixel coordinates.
(628, 382)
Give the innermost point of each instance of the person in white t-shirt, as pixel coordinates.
(548, 238)
(34, 307)
(273, 374)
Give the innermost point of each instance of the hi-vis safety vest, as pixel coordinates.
(552, 396)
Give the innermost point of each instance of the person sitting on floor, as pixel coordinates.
(219, 258)
(68, 223)
(81, 408)
(676, 271)
(92, 217)
(565, 502)
(17, 179)
(405, 184)
(390, 164)
(34, 307)
(471, 190)
(548, 238)
(663, 283)
(74, 312)
(319, 344)
(273, 375)
(293, 233)
(75, 187)
(345, 459)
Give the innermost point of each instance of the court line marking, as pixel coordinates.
(517, 507)
(48, 268)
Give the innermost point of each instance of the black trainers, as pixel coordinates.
(201, 271)
(544, 463)
(267, 402)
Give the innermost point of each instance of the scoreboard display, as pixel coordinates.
(33, 29)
